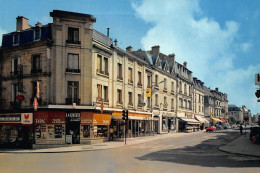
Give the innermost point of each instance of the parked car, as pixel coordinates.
(255, 134)
(211, 129)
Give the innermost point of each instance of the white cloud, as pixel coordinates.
(181, 28)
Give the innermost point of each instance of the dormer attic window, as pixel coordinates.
(37, 34)
(16, 38)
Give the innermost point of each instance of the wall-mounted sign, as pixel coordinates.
(148, 92)
(10, 118)
(27, 118)
(20, 97)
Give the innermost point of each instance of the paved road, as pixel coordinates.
(195, 153)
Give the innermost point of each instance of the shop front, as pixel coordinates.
(168, 122)
(188, 125)
(72, 127)
(94, 127)
(203, 121)
(16, 130)
(49, 127)
(138, 124)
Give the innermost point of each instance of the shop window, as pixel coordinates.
(86, 131)
(36, 64)
(58, 131)
(73, 35)
(73, 63)
(102, 131)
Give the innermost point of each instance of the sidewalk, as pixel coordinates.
(243, 146)
(100, 146)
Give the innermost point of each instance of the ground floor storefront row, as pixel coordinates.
(56, 127)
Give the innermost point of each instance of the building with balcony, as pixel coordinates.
(198, 103)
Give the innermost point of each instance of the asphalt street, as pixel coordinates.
(193, 153)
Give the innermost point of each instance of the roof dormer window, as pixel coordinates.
(16, 39)
(37, 34)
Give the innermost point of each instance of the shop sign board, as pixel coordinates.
(35, 104)
(27, 118)
(90, 118)
(73, 116)
(148, 92)
(49, 117)
(10, 118)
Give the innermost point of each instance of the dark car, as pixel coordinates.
(255, 133)
(211, 129)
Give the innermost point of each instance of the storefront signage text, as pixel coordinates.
(10, 118)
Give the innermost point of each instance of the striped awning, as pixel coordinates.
(190, 121)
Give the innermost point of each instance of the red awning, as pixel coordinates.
(222, 119)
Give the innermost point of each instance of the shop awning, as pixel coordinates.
(190, 121)
(222, 119)
(215, 120)
(199, 118)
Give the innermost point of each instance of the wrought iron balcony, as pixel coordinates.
(73, 42)
(36, 71)
(72, 70)
(70, 101)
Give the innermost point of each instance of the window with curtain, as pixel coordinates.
(73, 63)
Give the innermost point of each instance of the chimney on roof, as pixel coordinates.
(22, 23)
(185, 64)
(156, 50)
(38, 24)
(216, 89)
(129, 49)
(115, 42)
(108, 32)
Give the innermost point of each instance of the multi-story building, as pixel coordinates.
(215, 105)
(198, 103)
(65, 82)
(235, 114)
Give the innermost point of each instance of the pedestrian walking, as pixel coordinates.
(241, 129)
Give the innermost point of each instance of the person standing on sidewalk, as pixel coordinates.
(241, 129)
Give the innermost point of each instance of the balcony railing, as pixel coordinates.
(36, 71)
(130, 81)
(120, 78)
(72, 70)
(73, 42)
(15, 104)
(103, 72)
(139, 84)
(15, 73)
(164, 89)
(172, 92)
(69, 101)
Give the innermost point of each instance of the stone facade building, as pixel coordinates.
(66, 83)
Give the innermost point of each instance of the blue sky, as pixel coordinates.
(219, 39)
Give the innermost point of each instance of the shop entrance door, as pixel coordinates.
(73, 127)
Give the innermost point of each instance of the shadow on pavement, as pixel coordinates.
(205, 154)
